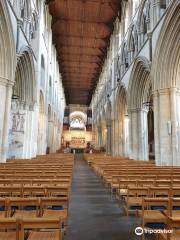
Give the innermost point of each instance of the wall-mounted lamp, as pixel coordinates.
(148, 105)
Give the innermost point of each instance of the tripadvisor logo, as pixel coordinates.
(139, 231)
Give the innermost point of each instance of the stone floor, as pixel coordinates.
(93, 215)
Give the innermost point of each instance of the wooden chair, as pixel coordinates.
(3, 207)
(175, 192)
(174, 207)
(57, 191)
(133, 201)
(51, 207)
(159, 192)
(123, 187)
(41, 228)
(23, 207)
(153, 211)
(173, 225)
(9, 229)
(34, 191)
(9, 191)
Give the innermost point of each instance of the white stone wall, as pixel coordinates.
(28, 27)
(132, 64)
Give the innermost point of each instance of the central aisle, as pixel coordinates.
(93, 215)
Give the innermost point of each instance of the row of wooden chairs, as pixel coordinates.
(122, 188)
(36, 182)
(159, 211)
(133, 199)
(151, 193)
(34, 207)
(34, 191)
(34, 197)
(30, 229)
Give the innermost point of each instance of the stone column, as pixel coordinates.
(143, 151)
(24, 110)
(32, 132)
(108, 141)
(34, 137)
(120, 137)
(130, 135)
(126, 135)
(116, 137)
(99, 136)
(5, 106)
(134, 144)
(165, 127)
(156, 126)
(174, 122)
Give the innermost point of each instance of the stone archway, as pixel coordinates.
(166, 89)
(121, 125)
(22, 124)
(138, 94)
(7, 71)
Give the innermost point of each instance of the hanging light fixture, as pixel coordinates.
(15, 96)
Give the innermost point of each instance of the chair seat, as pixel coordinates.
(154, 216)
(123, 191)
(7, 235)
(51, 235)
(134, 201)
(25, 214)
(115, 185)
(174, 236)
(175, 213)
(50, 213)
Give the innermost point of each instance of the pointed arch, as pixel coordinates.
(139, 83)
(25, 84)
(167, 53)
(7, 46)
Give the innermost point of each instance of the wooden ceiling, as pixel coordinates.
(81, 33)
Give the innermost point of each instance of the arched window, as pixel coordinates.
(132, 43)
(42, 82)
(17, 88)
(22, 6)
(41, 103)
(125, 55)
(144, 20)
(34, 25)
(25, 13)
(163, 4)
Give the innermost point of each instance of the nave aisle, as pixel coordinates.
(93, 215)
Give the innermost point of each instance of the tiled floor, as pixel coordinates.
(93, 215)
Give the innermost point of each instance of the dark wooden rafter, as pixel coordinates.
(81, 34)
